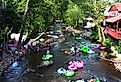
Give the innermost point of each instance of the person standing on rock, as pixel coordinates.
(76, 52)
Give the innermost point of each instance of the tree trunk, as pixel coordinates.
(28, 38)
(99, 33)
(24, 19)
(32, 40)
(103, 36)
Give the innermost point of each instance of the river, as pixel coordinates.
(26, 71)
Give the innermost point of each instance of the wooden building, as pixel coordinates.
(113, 21)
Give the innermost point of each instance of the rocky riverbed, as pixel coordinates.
(27, 71)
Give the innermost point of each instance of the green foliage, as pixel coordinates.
(46, 11)
(94, 35)
(4, 32)
(37, 23)
(73, 14)
(14, 13)
(88, 8)
(118, 47)
(42, 13)
(117, 0)
(108, 43)
(79, 9)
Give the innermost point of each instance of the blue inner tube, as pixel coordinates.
(61, 71)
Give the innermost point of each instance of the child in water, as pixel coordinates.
(48, 52)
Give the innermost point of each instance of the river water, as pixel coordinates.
(26, 71)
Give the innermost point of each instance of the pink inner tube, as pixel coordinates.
(72, 62)
(95, 46)
(81, 35)
(72, 67)
(79, 64)
(102, 47)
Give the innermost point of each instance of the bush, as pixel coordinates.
(108, 43)
(118, 47)
(94, 34)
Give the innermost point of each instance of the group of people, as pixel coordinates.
(38, 45)
(74, 51)
(47, 62)
(11, 54)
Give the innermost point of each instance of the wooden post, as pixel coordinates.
(117, 26)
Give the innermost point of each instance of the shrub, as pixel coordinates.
(108, 43)
(118, 47)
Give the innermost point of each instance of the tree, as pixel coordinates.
(117, 0)
(14, 14)
(99, 7)
(23, 20)
(73, 14)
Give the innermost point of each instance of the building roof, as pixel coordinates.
(118, 6)
(114, 19)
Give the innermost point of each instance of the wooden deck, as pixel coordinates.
(112, 32)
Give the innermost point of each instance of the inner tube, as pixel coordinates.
(81, 35)
(61, 71)
(85, 49)
(97, 80)
(79, 49)
(95, 46)
(69, 73)
(90, 52)
(79, 81)
(72, 62)
(83, 42)
(72, 67)
(79, 64)
(78, 38)
(47, 57)
(102, 48)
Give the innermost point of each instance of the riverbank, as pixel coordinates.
(10, 56)
(7, 60)
(116, 61)
(93, 66)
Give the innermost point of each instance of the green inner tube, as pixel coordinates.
(83, 42)
(97, 80)
(47, 57)
(78, 38)
(69, 73)
(79, 49)
(85, 49)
